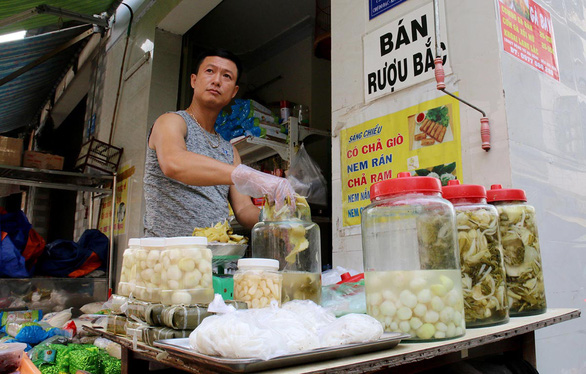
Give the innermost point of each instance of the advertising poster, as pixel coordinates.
(527, 33)
(401, 54)
(423, 139)
(121, 205)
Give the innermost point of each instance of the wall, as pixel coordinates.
(538, 141)
(149, 92)
(548, 147)
(467, 57)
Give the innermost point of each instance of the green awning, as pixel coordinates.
(14, 9)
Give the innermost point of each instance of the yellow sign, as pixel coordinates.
(423, 139)
(121, 206)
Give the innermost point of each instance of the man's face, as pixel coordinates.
(215, 83)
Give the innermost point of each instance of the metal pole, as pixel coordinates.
(111, 253)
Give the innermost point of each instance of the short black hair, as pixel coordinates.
(219, 52)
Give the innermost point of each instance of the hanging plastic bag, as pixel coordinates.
(307, 179)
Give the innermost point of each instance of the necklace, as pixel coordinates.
(205, 132)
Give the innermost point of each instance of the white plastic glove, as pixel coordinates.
(255, 183)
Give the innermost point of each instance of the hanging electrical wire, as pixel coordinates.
(113, 124)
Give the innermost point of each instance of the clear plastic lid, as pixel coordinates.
(152, 242)
(134, 242)
(258, 263)
(6, 348)
(186, 240)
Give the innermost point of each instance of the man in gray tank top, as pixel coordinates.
(191, 173)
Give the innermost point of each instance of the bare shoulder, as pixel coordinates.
(170, 119)
(167, 125)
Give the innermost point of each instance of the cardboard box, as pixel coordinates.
(40, 160)
(10, 151)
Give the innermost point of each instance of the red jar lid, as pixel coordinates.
(498, 193)
(455, 190)
(404, 183)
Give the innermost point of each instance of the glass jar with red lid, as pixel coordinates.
(481, 258)
(411, 264)
(521, 252)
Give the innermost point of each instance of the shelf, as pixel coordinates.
(62, 180)
(252, 149)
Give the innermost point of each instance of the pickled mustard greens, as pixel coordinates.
(301, 286)
(526, 290)
(436, 241)
(296, 232)
(483, 274)
(221, 232)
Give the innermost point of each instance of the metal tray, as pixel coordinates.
(245, 365)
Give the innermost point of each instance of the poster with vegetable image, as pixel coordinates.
(423, 139)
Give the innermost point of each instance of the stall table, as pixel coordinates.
(516, 338)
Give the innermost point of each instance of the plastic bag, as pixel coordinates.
(58, 319)
(344, 298)
(253, 333)
(349, 329)
(307, 179)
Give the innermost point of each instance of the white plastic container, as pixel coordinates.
(149, 269)
(258, 282)
(186, 276)
(11, 357)
(128, 272)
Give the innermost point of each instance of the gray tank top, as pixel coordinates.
(174, 208)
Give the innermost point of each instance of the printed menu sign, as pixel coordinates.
(423, 139)
(527, 33)
(401, 53)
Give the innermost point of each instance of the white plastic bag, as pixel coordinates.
(351, 328)
(307, 179)
(58, 319)
(261, 333)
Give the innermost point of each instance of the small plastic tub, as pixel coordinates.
(11, 357)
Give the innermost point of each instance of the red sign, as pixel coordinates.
(528, 34)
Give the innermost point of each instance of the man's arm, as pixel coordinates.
(168, 140)
(245, 211)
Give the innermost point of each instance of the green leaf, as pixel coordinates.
(449, 168)
(422, 172)
(438, 169)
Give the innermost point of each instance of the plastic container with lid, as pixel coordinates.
(411, 262)
(258, 282)
(481, 258)
(186, 276)
(128, 272)
(11, 357)
(149, 269)
(291, 238)
(521, 253)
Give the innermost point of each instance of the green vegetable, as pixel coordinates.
(439, 115)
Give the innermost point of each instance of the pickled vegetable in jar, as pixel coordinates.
(294, 241)
(521, 252)
(411, 263)
(258, 282)
(128, 272)
(481, 259)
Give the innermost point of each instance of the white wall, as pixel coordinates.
(548, 151)
(468, 56)
(538, 140)
(148, 93)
